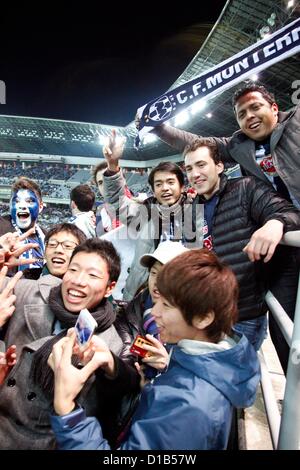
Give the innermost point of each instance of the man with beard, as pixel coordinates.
(25, 205)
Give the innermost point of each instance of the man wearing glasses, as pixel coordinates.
(60, 242)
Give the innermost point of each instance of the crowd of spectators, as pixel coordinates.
(40, 171)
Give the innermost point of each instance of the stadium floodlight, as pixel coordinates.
(208, 115)
(290, 4)
(254, 77)
(271, 19)
(264, 32)
(181, 118)
(198, 106)
(149, 138)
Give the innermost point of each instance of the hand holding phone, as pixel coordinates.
(137, 346)
(84, 327)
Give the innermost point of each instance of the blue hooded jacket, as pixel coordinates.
(189, 407)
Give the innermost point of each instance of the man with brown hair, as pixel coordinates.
(267, 144)
(158, 218)
(244, 221)
(25, 206)
(82, 202)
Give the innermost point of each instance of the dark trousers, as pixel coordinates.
(283, 275)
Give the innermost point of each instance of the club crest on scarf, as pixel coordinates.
(161, 109)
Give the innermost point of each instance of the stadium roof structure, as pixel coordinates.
(241, 24)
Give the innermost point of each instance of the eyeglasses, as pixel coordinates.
(66, 244)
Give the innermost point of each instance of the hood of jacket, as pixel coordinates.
(235, 372)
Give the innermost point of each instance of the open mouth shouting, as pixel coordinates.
(23, 218)
(23, 215)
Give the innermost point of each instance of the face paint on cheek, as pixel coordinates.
(24, 208)
(13, 211)
(34, 208)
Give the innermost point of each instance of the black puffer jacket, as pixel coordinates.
(129, 321)
(245, 205)
(284, 147)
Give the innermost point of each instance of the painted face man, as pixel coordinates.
(25, 207)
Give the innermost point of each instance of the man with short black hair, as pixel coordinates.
(266, 146)
(244, 221)
(82, 202)
(45, 309)
(160, 217)
(60, 242)
(211, 370)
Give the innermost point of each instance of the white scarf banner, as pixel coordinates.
(282, 44)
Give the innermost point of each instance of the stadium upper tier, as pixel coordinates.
(52, 137)
(241, 23)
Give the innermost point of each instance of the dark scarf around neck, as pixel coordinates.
(40, 372)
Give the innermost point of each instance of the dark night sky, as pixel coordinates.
(80, 63)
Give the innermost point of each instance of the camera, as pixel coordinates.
(137, 346)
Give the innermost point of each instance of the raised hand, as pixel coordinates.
(11, 247)
(137, 121)
(69, 380)
(97, 350)
(7, 297)
(263, 242)
(7, 361)
(113, 151)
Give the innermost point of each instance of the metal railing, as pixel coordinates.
(285, 430)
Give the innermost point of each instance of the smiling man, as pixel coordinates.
(159, 218)
(25, 207)
(267, 146)
(60, 243)
(244, 221)
(211, 369)
(45, 309)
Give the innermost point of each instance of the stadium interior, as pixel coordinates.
(60, 154)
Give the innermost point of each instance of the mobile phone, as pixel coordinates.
(137, 346)
(84, 327)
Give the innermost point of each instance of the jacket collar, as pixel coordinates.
(39, 317)
(39, 320)
(223, 182)
(45, 284)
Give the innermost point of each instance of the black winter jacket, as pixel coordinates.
(284, 147)
(129, 321)
(245, 205)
